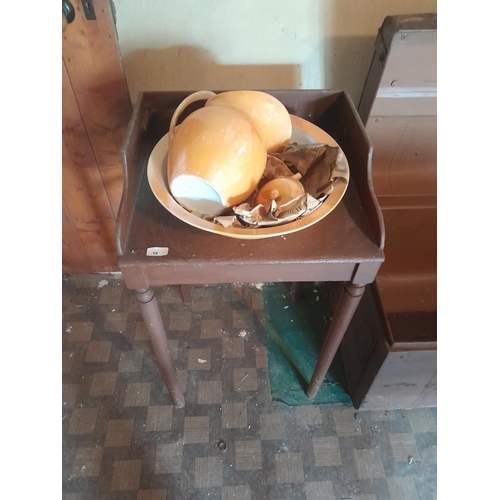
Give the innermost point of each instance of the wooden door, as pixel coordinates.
(96, 110)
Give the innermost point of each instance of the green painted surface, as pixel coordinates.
(294, 334)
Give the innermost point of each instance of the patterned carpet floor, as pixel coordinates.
(124, 440)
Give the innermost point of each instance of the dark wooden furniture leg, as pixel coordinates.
(186, 293)
(154, 324)
(344, 312)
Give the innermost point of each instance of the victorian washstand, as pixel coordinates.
(347, 245)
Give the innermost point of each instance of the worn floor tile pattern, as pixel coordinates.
(124, 440)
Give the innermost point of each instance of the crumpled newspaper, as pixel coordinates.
(320, 166)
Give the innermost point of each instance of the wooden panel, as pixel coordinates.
(404, 154)
(406, 380)
(83, 190)
(75, 259)
(96, 111)
(408, 292)
(412, 62)
(407, 280)
(412, 327)
(403, 69)
(389, 104)
(411, 241)
(365, 344)
(93, 61)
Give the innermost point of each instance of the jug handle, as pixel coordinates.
(196, 96)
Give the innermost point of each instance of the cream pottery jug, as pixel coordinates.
(218, 154)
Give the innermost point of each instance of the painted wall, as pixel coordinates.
(252, 44)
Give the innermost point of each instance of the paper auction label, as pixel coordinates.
(157, 251)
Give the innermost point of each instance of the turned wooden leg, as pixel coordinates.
(348, 302)
(186, 293)
(154, 324)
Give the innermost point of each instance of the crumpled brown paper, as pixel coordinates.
(319, 166)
